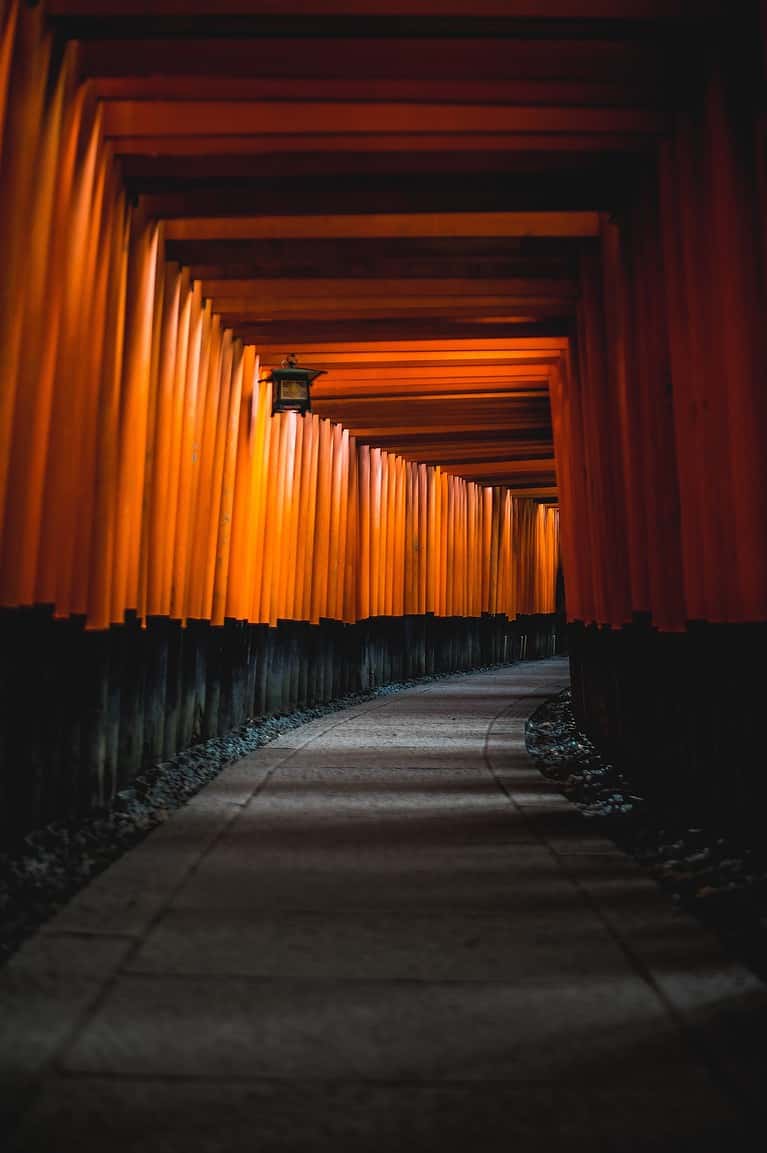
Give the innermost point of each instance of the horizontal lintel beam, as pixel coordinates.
(151, 118)
(582, 10)
(290, 288)
(258, 144)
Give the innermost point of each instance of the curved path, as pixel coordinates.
(384, 931)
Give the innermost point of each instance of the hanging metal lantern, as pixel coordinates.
(291, 386)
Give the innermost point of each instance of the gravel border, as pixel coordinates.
(52, 864)
(705, 871)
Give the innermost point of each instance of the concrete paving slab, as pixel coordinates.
(312, 762)
(237, 783)
(440, 785)
(363, 876)
(722, 1003)
(45, 989)
(377, 796)
(562, 827)
(317, 728)
(305, 817)
(305, 832)
(132, 891)
(455, 744)
(387, 944)
(610, 1025)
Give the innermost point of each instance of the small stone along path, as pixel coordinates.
(384, 931)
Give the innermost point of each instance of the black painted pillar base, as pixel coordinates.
(680, 712)
(83, 712)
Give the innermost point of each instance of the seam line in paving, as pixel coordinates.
(405, 1083)
(695, 1043)
(86, 934)
(90, 1011)
(231, 976)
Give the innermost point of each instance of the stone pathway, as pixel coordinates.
(384, 931)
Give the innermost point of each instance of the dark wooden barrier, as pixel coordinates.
(680, 712)
(84, 711)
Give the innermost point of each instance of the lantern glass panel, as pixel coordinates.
(293, 390)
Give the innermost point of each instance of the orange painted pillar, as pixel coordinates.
(452, 548)
(443, 539)
(564, 425)
(182, 496)
(311, 516)
(73, 587)
(337, 558)
(399, 582)
(178, 405)
(291, 582)
(40, 338)
(223, 393)
(410, 559)
(376, 550)
(271, 517)
(343, 524)
(306, 481)
(423, 536)
(492, 601)
(322, 529)
(59, 501)
(365, 552)
(352, 566)
(106, 603)
(203, 509)
(276, 518)
(223, 549)
(238, 592)
(197, 499)
(282, 573)
(389, 528)
(432, 542)
(9, 16)
(25, 75)
(612, 598)
(161, 421)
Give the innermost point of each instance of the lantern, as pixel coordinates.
(291, 386)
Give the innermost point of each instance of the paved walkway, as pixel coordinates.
(383, 932)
